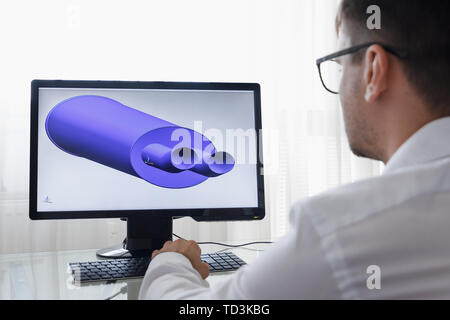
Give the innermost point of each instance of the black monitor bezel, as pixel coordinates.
(207, 214)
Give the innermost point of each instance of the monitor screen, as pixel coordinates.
(109, 149)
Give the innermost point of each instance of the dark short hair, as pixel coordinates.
(419, 27)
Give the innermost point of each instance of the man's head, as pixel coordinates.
(385, 99)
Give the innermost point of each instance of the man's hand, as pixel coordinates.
(190, 250)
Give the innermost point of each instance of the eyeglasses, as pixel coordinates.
(330, 71)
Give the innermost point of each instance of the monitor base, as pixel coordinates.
(144, 234)
(119, 251)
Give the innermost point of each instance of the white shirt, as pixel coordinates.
(398, 222)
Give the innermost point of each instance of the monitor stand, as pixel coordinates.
(144, 234)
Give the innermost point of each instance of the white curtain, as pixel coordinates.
(273, 42)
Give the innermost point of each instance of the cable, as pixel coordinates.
(229, 245)
(122, 290)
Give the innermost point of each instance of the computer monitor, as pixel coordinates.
(146, 152)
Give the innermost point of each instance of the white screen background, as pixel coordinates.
(70, 183)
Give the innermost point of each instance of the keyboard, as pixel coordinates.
(129, 268)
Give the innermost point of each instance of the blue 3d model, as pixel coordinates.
(112, 134)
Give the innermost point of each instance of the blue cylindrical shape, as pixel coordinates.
(110, 133)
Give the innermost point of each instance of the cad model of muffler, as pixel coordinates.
(120, 137)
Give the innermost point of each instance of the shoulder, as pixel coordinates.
(351, 203)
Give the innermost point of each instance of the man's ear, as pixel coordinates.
(376, 69)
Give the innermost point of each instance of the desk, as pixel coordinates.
(45, 275)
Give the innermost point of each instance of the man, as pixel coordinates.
(382, 238)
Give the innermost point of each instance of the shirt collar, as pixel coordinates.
(431, 142)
